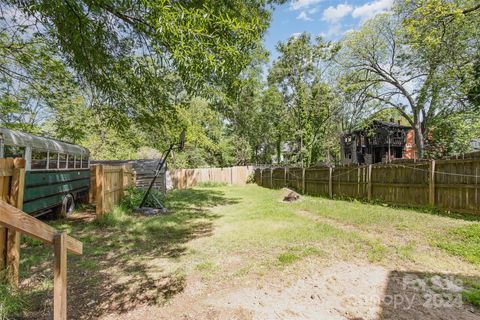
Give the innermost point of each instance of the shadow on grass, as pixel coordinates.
(126, 264)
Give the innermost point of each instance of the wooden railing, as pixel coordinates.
(14, 222)
(15, 219)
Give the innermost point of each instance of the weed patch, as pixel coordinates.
(11, 302)
(463, 242)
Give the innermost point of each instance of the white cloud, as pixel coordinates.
(303, 4)
(335, 14)
(304, 16)
(370, 9)
(333, 31)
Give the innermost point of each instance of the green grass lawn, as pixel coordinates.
(233, 233)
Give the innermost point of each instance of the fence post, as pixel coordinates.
(99, 197)
(13, 237)
(431, 185)
(60, 277)
(330, 182)
(303, 181)
(369, 182)
(285, 177)
(271, 178)
(358, 182)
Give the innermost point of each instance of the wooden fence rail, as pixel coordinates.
(446, 184)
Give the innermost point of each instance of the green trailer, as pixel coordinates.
(57, 173)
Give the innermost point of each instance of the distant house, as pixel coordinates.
(380, 141)
(288, 152)
(475, 144)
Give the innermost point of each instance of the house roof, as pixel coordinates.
(383, 123)
(18, 138)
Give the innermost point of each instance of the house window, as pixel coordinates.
(39, 159)
(13, 152)
(62, 161)
(53, 160)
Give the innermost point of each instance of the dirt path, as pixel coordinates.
(341, 291)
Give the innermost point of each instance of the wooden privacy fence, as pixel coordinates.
(108, 184)
(446, 184)
(188, 178)
(14, 222)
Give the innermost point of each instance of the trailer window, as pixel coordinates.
(62, 161)
(77, 161)
(39, 159)
(84, 162)
(53, 160)
(13, 152)
(71, 161)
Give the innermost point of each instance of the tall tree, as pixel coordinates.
(298, 74)
(419, 85)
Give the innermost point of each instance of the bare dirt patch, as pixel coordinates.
(340, 291)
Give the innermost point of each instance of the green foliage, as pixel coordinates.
(111, 219)
(11, 302)
(308, 100)
(464, 242)
(452, 134)
(134, 196)
(211, 184)
(472, 296)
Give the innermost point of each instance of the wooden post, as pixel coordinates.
(369, 182)
(13, 237)
(431, 185)
(303, 181)
(122, 181)
(358, 182)
(261, 177)
(60, 277)
(285, 176)
(100, 196)
(330, 182)
(271, 178)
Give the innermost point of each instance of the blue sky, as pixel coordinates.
(330, 18)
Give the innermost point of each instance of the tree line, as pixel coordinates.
(124, 78)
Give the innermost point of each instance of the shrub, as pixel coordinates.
(133, 198)
(110, 219)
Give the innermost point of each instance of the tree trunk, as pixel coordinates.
(419, 140)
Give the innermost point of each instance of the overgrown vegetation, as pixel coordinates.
(11, 302)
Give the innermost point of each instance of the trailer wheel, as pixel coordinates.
(68, 205)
